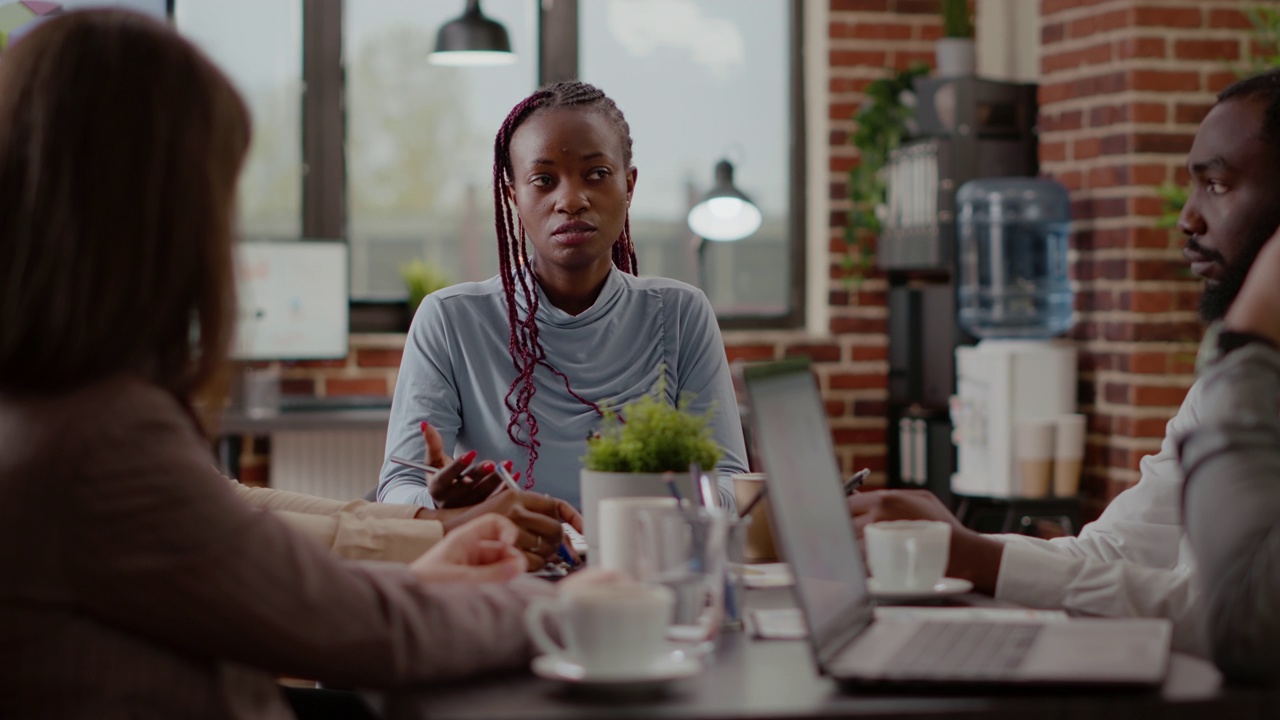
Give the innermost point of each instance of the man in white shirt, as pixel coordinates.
(1134, 561)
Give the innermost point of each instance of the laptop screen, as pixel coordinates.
(810, 513)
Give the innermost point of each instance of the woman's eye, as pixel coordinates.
(598, 174)
(540, 181)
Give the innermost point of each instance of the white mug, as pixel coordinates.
(907, 554)
(610, 630)
(619, 532)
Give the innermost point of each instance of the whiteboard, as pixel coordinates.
(293, 301)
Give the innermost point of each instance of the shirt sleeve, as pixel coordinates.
(283, 500)
(702, 373)
(1128, 563)
(425, 389)
(1232, 465)
(366, 538)
(160, 547)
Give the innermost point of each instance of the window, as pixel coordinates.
(395, 154)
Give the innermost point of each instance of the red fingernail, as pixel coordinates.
(508, 465)
(516, 476)
(423, 427)
(469, 457)
(487, 466)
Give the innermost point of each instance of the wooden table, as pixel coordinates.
(777, 680)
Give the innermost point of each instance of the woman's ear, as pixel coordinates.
(632, 174)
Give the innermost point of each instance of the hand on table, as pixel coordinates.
(974, 556)
(480, 551)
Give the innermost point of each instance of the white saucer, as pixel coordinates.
(943, 588)
(675, 666)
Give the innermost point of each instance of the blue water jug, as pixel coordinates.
(1012, 275)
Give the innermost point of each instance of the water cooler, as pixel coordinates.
(1015, 427)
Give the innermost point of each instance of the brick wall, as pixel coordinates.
(1124, 84)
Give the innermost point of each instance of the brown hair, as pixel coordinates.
(120, 145)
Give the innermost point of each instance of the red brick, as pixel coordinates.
(869, 353)
(1216, 50)
(1072, 120)
(1148, 427)
(870, 408)
(842, 163)
(1186, 332)
(930, 33)
(1051, 33)
(1164, 80)
(379, 358)
(316, 364)
(1098, 54)
(1115, 144)
(835, 408)
(858, 436)
(1116, 393)
(1148, 363)
(856, 381)
(1233, 19)
(1152, 237)
(1149, 112)
(1151, 301)
(1146, 175)
(1072, 180)
(882, 31)
(1170, 143)
(1167, 17)
(297, 386)
(1158, 396)
(903, 59)
(1106, 177)
(857, 326)
(1146, 207)
(916, 7)
(1053, 152)
(847, 85)
(857, 58)
(1156, 269)
(1140, 47)
(749, 352)
(336, 386)
(1216, 82)
(1086, 148)
(838, 298)
(816, 353)
(1104, 115)
(1092, 24)
(855, 5)
(842, 111)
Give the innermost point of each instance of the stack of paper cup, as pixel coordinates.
(1034, 446)
(1068, 454)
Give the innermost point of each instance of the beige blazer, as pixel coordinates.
(134, 583)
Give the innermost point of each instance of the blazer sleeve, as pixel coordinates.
(1232, 506)
(165, 550)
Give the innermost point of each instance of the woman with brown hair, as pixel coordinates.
(135, 583)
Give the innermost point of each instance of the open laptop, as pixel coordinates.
(811, 520)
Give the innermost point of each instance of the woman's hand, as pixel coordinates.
(537, 516)
(480, 551)
(458, 484)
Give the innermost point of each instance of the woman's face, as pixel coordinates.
(571, 188)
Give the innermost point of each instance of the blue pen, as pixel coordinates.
(510, 482)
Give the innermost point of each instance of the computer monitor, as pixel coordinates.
(293, 300)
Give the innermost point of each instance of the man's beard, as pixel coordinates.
(1217, 297)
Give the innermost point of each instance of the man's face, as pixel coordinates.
(1234, 202)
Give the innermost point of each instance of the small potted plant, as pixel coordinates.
(954, 50)
(633, 452)
(420, 280)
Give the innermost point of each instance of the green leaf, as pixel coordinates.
(655, 437)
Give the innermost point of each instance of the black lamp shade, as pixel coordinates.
(472, 39)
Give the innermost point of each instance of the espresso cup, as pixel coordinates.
(609, 630)
(907, 555)
(759, 536)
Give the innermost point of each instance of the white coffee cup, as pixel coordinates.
(1033, 449)
(619, 531)
(907, 554)
(609, 630)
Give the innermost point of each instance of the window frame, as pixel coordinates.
(324, 182)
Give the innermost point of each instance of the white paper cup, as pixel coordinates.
(619, 532)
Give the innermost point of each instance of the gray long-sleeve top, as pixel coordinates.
(1232, 510)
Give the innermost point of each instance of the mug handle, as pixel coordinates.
(535, 621)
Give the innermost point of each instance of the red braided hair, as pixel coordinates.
(513, 259)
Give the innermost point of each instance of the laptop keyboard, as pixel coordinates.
(963, 651)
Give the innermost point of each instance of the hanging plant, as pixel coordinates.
(881, 124)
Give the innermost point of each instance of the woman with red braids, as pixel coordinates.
(515, 367)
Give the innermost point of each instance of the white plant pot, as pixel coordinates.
(955, 57)
(595, 486)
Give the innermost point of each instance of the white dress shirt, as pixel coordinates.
(1134, 561)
